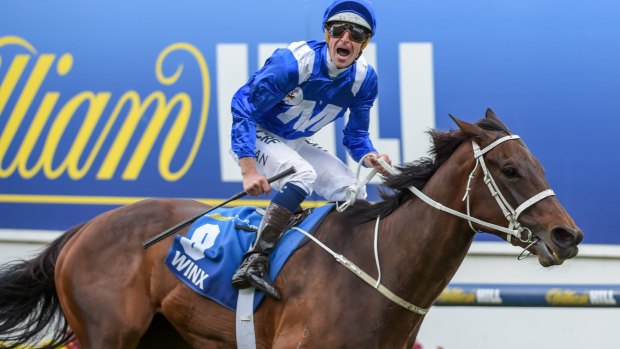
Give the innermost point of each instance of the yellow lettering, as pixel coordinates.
(23, 103)
(150, 135)
(78, 162)
(171, 144)
(162, 112)
(456, 295)
(97, 105)
(71, 162)
(33, 135)
(557, 296)
(178, 129)
(122, 139)
(10, 80)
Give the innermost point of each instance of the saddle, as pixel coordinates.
(298, 216)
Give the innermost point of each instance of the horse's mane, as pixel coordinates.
(416, 173)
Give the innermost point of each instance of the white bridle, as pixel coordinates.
(512, 215)
(514, 227)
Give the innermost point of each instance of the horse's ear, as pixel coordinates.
(490, 114)
(471, 130)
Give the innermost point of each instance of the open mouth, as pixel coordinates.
(343, 52)
(546, 255)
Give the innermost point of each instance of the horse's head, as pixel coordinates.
(539, 221)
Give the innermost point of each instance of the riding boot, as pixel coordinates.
(254, 270)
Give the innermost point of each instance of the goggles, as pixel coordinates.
(356, 32)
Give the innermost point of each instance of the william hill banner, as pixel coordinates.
(104, 104)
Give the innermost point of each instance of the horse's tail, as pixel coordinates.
(29, 306)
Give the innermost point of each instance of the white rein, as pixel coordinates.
(514, 227)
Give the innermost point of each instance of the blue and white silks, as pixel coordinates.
(294, 96)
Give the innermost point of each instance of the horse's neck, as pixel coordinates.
(422, 246)
(420, 249)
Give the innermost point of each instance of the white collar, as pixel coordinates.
(331, 66)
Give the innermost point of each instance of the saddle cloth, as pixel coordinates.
(207, 257)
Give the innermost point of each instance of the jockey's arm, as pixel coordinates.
(358, 143)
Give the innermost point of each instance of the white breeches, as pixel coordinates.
(316, 169)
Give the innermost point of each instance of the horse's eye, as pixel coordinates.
(509, 171)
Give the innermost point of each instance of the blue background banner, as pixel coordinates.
(105, 103)
(528, 295)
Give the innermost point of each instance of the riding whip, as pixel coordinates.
(155, 239)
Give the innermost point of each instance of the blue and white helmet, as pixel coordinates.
(360, 12)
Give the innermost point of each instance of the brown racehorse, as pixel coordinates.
(112, 293)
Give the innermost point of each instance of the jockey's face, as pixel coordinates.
(343, 49)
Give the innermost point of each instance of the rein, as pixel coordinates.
(514, 226)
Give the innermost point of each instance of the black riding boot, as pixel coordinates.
(254, 270)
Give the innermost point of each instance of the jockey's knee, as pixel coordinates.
(304, 177)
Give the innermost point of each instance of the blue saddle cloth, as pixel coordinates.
(208, 256)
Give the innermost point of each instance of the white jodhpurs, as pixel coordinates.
(316, 169)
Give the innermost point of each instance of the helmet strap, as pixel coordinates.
(364, 44)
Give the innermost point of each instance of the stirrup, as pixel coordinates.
(264, 285)
(240, 279)
(254, 271)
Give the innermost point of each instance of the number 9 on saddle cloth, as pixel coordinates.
(207, 257)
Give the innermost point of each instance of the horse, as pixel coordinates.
(98, 281)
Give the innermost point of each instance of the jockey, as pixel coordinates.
(299, 90)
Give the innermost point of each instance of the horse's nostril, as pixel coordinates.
(564, 237)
